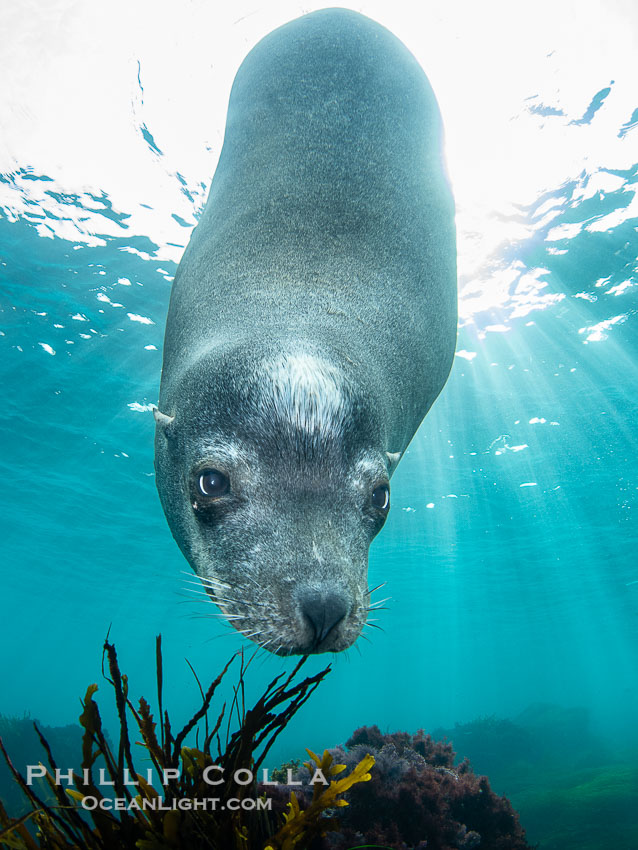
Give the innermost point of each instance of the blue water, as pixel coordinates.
(510, 551)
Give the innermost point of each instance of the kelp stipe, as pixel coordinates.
(140, 822)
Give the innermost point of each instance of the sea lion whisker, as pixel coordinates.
(208, 594)
(209, 604)
(203, 593)
(258, 585)
(219, 617)
(216, 600)
(379, 602)
(230, 632)
(245, 633)
(201, 600)
(205, 583)
(251, 578)
(208, 612)
(188, 600)
(192, 575)
(212, 613)
(225, 600)
(378, 587)
(202, 589)
(213, 585)
(252, 603)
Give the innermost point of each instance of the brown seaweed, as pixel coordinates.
(149, 820)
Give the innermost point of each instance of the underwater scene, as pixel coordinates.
(491, 700)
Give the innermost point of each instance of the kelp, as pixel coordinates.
(147, 820)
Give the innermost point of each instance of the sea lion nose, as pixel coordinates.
(323, 611)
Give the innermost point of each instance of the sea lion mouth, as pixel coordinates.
(314, 621)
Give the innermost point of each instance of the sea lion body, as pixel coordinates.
(311, 326)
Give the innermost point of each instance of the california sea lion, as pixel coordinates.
(311, 326)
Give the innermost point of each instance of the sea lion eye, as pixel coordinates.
(381, 497)
(213, 483)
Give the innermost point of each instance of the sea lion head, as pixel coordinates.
(274, 479)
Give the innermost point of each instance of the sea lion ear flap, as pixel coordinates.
(162, 420)
(393, 459)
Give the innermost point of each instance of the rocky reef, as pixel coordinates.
(417, 798)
